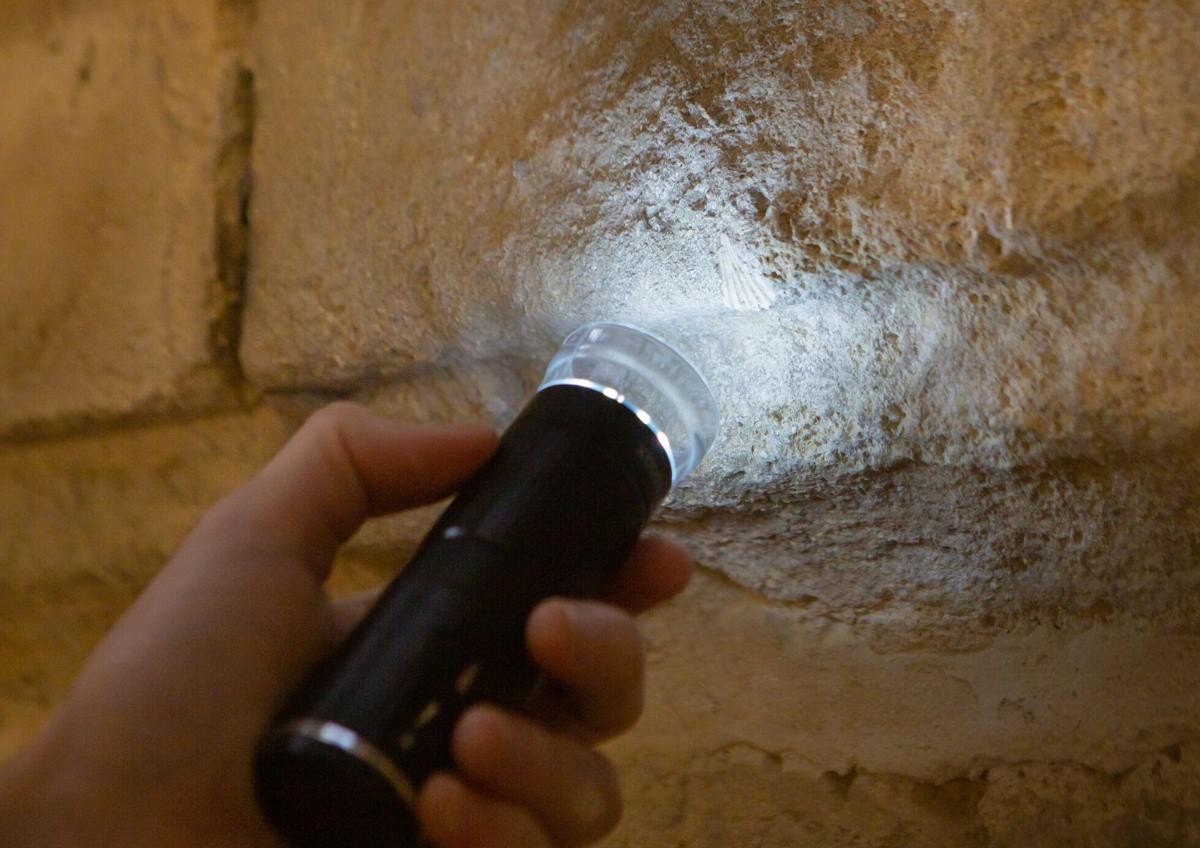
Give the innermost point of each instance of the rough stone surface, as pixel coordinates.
(976, 227)
(119, 154)
(976, 221)
(938, 258)
(799, 731)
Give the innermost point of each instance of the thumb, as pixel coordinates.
(343, 466)
(241, 602)
(265, 549)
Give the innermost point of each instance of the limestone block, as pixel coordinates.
(973, 224)
(938, 261)
(937, 257)
(122, 148)
(773, 725)
(956, 235)
(86, 523)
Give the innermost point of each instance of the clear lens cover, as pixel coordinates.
(649, 377)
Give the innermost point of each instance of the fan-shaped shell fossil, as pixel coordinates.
(743, 287)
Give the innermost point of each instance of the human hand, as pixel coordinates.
(154, 743)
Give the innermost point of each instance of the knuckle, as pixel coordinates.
(336, 415)
(327, 435)
(325, 430)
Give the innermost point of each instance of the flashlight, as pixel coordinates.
(619, 418)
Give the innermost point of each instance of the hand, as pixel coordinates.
(154, 743)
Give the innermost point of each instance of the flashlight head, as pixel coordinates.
(651, 378)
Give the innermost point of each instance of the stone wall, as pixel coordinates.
(939, 258)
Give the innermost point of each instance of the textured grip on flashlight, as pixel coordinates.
(554, 512)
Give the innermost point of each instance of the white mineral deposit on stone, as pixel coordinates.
(743, 287)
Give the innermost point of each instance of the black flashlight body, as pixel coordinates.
(555, 511)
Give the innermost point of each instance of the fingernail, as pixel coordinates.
(570, 613)
(568, 619)
(579, 616)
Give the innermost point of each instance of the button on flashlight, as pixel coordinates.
(619, 418)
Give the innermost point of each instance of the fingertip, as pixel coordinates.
(548, 633)
(440, 806)
(657, 570)
(675, 566)
(453, 815)
(586, 643)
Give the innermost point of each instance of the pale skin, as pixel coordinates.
(153, 744)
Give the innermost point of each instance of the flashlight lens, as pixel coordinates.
(648, 376)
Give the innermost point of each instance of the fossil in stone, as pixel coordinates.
(743, 286)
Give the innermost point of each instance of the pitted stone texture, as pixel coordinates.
(924, 554)
(960, 453)
(113, 123)
(713, 799)
(948, 555)
(823, 696)
(976, 219)
(773, 726)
